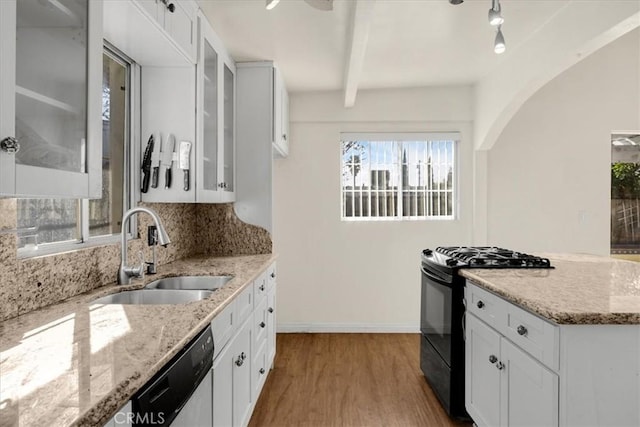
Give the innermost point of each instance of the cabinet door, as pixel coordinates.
(529, 390)
(271, 325)
(180, 27)
(482, 379)
(242, 398)
(229, 130)
(198, 409)
(52, 72)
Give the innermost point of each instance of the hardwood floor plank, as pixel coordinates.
(358, 380)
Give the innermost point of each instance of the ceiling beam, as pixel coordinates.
(357, 47)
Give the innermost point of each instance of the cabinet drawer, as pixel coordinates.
(271, 276)
(260, 323)
(259, 370)
(260, 289)
(244, 304)
(485, 305)
(534, 335)
(223, 326)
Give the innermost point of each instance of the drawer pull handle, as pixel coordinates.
(261, 287)
(262, 324)
(480, 304)
(270, 310)
(493, 359)
(240, 359)
(262, 371)
(521, 330)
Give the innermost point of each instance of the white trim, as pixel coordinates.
(385, 328)
(400, 136)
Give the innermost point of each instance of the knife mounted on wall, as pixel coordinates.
(183, 162)
(146, 165)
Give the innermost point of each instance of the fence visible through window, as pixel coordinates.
(410, 178)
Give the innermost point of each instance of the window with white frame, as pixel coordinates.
(53, 225)
(398, 176)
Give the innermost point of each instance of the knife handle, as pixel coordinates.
(145, 181)
(167, 178)
(186, 180)
(154, 177)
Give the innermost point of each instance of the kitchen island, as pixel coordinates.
(556, 346)
(77, 363)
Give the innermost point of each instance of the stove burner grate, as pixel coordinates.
(493, 257)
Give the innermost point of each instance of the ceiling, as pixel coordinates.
(403, 43)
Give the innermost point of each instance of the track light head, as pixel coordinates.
(272, 3)
(499, 46)
(495, 15)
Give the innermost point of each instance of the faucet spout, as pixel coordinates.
(125, 273)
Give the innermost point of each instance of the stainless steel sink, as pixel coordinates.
(209, 283)
(156, 296)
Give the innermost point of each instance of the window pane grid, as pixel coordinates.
(388, 179)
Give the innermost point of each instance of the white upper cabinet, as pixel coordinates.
(50, 98)
(155, 32)
(215, 147)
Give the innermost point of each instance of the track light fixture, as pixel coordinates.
(495, 17)
(272, 3)
(499, 46)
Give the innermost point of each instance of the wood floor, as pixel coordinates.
(348, 380)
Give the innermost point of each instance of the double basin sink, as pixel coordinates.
(170, 290)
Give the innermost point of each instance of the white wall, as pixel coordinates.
(339, 276)
(549, 171)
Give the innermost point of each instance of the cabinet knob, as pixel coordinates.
(270, 309)
(262, 371)
(493, 359)
(171, 7)
(261, 287)
(273, 275)
(500, 366)
(240, 359)
(480, 304)
(521, 330)
(10, 145)
(284, 136)
(262, 324)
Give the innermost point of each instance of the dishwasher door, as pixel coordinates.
(160, 401)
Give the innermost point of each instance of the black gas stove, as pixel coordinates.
(442, 313)
(482, 257)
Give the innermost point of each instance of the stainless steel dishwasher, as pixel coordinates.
(160, 401)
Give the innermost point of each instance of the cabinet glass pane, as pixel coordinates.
(51, 83)
(210, 119)
(228, 128)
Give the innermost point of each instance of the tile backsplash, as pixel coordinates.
(32, 283)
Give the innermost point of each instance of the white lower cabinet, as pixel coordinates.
(245, 347)
(505, 386)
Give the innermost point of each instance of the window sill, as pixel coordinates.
(50, 249)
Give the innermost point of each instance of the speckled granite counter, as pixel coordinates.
(581, 289)
(77, 363)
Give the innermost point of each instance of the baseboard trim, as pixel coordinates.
(384, 328)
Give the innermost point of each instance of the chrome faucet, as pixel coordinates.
(125, 273)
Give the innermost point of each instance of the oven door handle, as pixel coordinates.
(438, 279)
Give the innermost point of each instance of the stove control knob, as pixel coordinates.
(451, 262)
(427, 252)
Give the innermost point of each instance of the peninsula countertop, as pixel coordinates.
(581, 289)
(77, 363)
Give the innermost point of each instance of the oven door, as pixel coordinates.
(436, 306)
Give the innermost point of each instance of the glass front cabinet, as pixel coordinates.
(50, 98)
(215, 171)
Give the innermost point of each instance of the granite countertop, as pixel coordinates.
(581, 289)
(77, 363)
